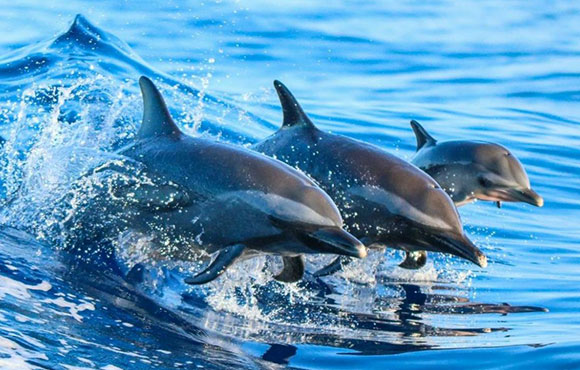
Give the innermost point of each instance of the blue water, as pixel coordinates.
(500, 71)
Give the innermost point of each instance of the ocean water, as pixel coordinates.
(507, 72)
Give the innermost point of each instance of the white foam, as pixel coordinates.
(20, 290)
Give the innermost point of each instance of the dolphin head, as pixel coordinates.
(417, 216)
(477, 169)
(501, 177)
(311, 216)
(434, 225)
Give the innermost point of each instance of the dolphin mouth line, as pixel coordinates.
(338, 241)
(526, 195)
(462, 248)
(323, 239)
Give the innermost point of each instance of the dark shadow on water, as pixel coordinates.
(279, 354)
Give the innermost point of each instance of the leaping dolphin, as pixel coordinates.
(385, 200)
(197, 193)
(470, 170)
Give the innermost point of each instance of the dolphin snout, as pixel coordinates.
(461, 247)
(527, 195)
(518, 194)
(336, 240)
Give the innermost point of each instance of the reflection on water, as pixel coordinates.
(398, 325)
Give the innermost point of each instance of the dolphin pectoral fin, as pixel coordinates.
(414, 260)
(334, 266)
(293, 269)
(225, 258)
(422, 136)
(498, 204)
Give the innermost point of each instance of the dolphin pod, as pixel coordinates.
(221, 198)
(470, 170)
(199, 195)
(385, 200)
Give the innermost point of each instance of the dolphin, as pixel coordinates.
(385, 201)
(197, 194)
(470, 170)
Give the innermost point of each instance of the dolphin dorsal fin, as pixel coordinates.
(293, 113)
(156, 118)
(423, 137)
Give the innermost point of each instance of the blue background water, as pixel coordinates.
(499, 71)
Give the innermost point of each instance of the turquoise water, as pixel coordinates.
(503, 72)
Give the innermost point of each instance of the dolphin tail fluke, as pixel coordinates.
(422, 136)
(156, 118)
(334, 266)
(225, 258)
(293, 269)
(414, 260)
(293, 113)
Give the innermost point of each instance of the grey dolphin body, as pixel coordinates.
(470, 170)
(385, 201)
(198, 193)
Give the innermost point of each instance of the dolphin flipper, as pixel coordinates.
(333, 267)
(414, 260)
(293, 269)
(225, 258)
(340, 261)
(422, 136)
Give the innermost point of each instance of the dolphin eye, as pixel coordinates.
(484, 182)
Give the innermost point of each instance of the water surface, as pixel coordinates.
(501, 72)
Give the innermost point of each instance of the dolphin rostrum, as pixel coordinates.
(470, 170)
(385, 201)
(195, 193)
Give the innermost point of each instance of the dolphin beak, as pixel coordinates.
(526, 195)
(460, 247)
(337, 241)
